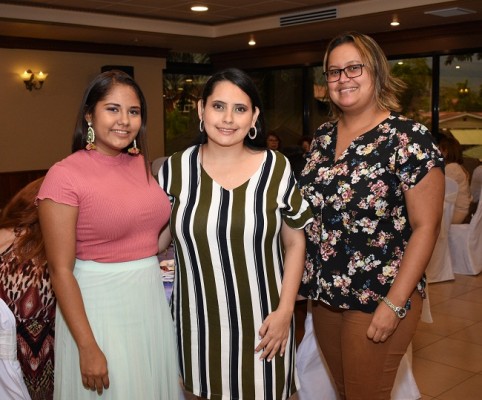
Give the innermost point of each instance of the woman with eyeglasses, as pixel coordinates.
(375, 183)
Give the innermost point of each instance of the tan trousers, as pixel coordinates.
(362, 369)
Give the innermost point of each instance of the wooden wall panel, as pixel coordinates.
(12, 182)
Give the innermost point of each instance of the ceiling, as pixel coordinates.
(225, 27)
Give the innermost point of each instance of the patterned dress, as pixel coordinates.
(27, 292)
(357, 240)
(229, 270)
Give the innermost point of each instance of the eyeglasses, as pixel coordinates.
(352, 71)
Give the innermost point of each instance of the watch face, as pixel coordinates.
(402, 312)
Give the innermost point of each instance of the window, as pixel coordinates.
(461, 100)
(416, 98)
(282, 96)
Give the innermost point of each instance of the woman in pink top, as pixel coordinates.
(101, 212)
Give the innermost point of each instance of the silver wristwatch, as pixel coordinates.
(400, 311)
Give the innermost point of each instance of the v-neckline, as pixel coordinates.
(355, 139)
(243, 184)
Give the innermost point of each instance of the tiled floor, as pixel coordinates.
(447, 354)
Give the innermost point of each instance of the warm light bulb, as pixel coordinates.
(199, 8)
(41, 76)
(26, 75)
(395, 21)
(252, 42)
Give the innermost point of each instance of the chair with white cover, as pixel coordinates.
(12, 386)
(440, 266)
(476, 184)
(316, 381)
(465, 242)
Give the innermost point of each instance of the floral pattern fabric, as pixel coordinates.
(360, 230)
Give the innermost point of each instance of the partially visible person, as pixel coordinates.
(305, 143)
(26, 289)
(237, 219)
(476, 184)
(452, 152)
(101, 212)
(298, 157)
(273, 141)
(375, 184)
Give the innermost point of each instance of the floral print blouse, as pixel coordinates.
(360, 230)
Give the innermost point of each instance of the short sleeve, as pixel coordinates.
(164, 178)
(415, 155)
(57, 186)
(297, 212)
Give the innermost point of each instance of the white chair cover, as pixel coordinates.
(465, 242)
(426, 315)
(12, 386)
(317, 383)
(440, 268)
(476, 184)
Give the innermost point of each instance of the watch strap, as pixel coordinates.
(399, 311)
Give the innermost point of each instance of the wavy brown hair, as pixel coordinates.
(387, 87)
(451, 149)
(20, 214)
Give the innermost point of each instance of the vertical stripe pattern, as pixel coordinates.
(229, 271)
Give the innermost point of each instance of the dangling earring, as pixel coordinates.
(90, 137)
(134, 150)
(201, 126)
(253, 136)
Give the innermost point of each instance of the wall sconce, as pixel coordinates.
(33, 80)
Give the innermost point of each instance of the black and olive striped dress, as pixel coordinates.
(229, 269)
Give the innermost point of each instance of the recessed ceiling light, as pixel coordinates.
(199, 8)
(252, 42)
(395, 21)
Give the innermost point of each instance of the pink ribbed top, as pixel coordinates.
(120, 213)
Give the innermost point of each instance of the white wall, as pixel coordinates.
(36, 127)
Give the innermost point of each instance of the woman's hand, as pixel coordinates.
(383, 324)
(93, 369)
(274, 334)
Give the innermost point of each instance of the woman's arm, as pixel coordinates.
(425, 209)
(58, 224)
(275, 329)
(165, 238)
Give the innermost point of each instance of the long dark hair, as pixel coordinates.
(20, 214)
(244, 82)
(97, 90)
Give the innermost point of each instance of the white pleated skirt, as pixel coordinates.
(129, 315)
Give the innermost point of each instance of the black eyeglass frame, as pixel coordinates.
(344, 70)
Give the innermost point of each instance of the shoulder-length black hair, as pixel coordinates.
(245, 83)
(97, 90)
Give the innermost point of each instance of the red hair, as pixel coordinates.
(20, 214)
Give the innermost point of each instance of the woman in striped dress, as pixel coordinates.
(237, 219)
